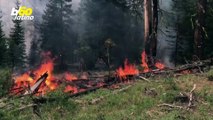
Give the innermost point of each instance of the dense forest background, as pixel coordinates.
(103, 33)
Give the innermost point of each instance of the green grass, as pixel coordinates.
(131, 104)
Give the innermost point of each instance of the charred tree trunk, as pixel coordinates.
(199, 34)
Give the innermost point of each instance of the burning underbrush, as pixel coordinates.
(42, 80)
(184, 93)
(127, 70)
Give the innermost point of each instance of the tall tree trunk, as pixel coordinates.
(146, 20)
(199, 34)
(147, 27)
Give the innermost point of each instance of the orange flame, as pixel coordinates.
(70, 77)
(71, 89)
(144, 62)
(129, 69)
(159, 65)
(27, 80)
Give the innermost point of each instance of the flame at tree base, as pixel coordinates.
(145, 65)
(144, 62)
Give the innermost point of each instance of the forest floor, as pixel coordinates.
(133, 101)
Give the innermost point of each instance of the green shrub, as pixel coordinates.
(5, 81)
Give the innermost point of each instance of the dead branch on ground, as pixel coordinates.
(190, 98)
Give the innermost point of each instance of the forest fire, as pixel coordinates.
(29, 78)
(145, 65)
(33, 80)
(128, 69)
(71, 89)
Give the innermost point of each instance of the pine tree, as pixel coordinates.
(17, 44)
(57, 35)
(3, 46)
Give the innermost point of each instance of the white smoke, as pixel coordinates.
(167, 32)
(38, 7)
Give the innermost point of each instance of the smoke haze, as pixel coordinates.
(38, 8)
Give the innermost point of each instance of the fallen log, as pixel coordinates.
(195, 65)
(34, 89)
(107, 83)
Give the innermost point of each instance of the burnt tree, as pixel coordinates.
(199, 34)
(150, 28)
(147, 27)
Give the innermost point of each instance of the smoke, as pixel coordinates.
(38, 10)
(167, 32)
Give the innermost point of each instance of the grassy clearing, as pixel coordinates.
(132, 104)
